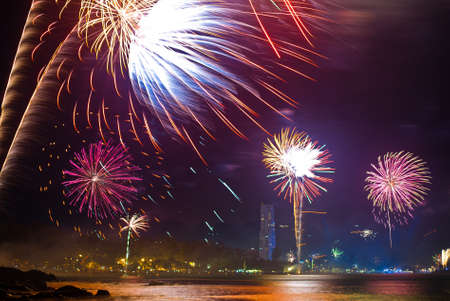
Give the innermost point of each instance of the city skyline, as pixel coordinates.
(365, 103)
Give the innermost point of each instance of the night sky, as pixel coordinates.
(383, 88)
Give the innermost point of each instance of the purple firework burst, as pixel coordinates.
(396, 185)
(101, 178)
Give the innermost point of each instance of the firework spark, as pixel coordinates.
(297, 10)
(176, 53)
(133, 225)
(437, 259)
(101, 179)
(230, 190)
(297, 166)
(336, 253)
(366, 233)
(290, 256)
(445, 256)
(111, 25)
(179, 65)
(396, 186)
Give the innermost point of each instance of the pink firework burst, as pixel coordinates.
(101, 178)
(397, 183)
(396, 186)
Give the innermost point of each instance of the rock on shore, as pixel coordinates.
(19, 285)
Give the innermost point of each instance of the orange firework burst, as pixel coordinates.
(296, 164)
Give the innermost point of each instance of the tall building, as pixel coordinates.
(266, 231)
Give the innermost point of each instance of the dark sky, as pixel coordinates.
(384, 88)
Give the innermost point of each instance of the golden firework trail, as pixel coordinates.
(16, 97)
(297, 165)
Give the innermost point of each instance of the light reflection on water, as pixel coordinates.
(279, 288)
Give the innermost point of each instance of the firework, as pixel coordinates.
(218, 216)
(437, 260)
(111, 25)
(230, 190)
(445, 255)
(290, 256)
(366, 233)
(176, 53)
(55, 157)
(297, 166)
(178, 64)
(297, 10)
(336, 253)
(396, 186)
(114, 22)
(100, 179)
(133, 225)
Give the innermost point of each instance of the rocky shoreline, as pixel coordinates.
(32, 285)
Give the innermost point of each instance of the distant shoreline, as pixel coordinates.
(246, 278)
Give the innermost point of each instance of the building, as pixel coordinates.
(284, 236)
(267, 231)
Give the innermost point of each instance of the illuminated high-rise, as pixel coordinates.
(267, 240)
